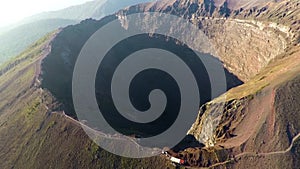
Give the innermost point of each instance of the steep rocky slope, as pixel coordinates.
(245, 39)
(259, 121)
(258, 42)
(261, 46)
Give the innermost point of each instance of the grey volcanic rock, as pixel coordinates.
(244, 44)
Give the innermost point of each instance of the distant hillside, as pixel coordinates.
(93, 9)
(78, 12)
(18, 39)
(21, 35)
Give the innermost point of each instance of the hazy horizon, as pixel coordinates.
(14, 11)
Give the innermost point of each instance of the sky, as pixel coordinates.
(12, 11)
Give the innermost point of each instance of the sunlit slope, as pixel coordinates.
(34, 134)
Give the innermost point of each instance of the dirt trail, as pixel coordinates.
(239, 156)
(271, 153)
(44, 54)
(117, 139)
(99, 133)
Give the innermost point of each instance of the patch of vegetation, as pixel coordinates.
(32, 108)
(260, 89)
(52, 124)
